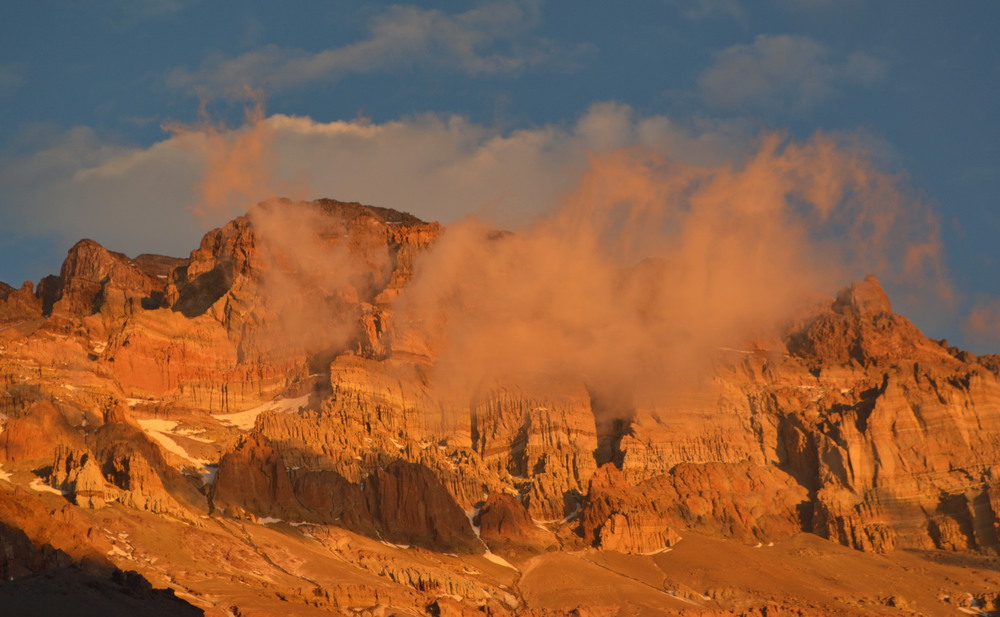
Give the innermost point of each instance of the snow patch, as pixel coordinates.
(488, 555)
(4, 475)
(557, 521)
(42, 487)
(115, 551)
(245, 419)
(164, 426)
(193, 434)
(674, 594)
(744, 351)
(500, 561)
(476, 529)
(159, 429)
(269, 520)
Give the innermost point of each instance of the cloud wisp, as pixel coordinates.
(783, 74)
(11, 78)
(982, 325)
(492, 38)
(238, 164)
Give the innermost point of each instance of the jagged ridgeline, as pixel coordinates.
(269, 426)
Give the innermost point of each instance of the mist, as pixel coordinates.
(651, 264)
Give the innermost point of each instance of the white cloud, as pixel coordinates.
(131, 199)
(494, 37)
(783, 73)
(434, 166)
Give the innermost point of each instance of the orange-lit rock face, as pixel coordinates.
(259, 299)
(36, 432)
(287, 358)
(94, 279)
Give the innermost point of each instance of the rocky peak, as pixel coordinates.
(377, 244)
(225, 253)
(860, 327)
(76, 473)
(88, 259)
(92, 278)
(864, 298)
(19, 304)
(350, 211)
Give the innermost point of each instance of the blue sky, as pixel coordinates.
(394, 98)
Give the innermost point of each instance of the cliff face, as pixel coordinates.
(858, 428)
(543, 436)
(264, 378)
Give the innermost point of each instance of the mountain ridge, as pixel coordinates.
(276, 380)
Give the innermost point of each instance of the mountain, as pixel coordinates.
(269, 427)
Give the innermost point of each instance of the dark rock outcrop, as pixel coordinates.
(410, 506)
(506, 527)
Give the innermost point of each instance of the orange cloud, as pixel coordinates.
(982, 326)
(238, 164)
(651, 264)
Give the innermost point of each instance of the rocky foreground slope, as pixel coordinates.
(264, 430)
